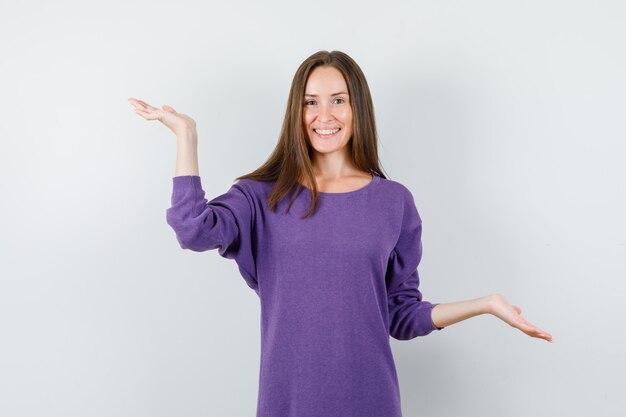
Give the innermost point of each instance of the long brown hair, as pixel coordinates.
(291, 158)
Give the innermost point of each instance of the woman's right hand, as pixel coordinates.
(512, 315)
(179, 123)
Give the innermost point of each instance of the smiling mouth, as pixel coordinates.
(326, 133)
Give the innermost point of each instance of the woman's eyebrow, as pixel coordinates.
(334, 94)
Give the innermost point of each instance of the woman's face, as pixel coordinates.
(327, 110)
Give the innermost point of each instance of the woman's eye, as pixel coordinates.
(312, 102)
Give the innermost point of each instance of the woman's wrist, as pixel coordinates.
(187, 154)
(187, 136)
(488, 302)
(446, 314)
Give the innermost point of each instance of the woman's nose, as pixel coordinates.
(325, 113)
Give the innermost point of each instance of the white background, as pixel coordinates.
(506, 119)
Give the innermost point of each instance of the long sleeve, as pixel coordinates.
(409, 315)
(224, 223)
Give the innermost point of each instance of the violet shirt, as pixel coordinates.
(333, 288)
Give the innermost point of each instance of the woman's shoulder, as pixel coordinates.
(394, 188)
(254, 187)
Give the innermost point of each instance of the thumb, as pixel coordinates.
(168, 108)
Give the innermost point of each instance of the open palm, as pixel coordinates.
(512, 315)
(178, 123)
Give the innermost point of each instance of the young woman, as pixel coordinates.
(329, 244)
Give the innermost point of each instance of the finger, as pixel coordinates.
(519, 320)
(142, 113)
(146, 105)
(545, 336)
(169, 108)
(136, 103)
(537, 332)
(542, 336)
(519, 310)
(147, 114)
(532, 331)
(522, 324)
(526, 322)
(535, 327)
(529, 327)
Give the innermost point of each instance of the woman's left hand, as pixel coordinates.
(500, 307)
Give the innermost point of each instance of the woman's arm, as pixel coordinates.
(449, 313)
(187, 153)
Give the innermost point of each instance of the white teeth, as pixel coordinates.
(327, 132)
